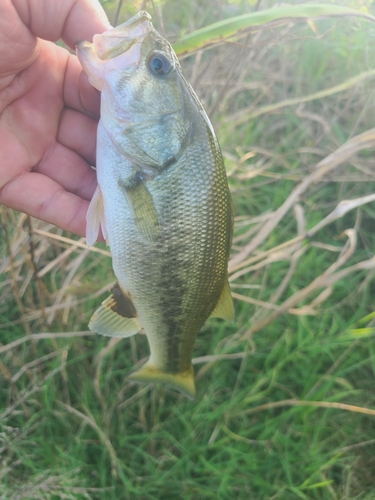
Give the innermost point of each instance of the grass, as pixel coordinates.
(285, 405)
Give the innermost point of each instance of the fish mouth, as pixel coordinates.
(118, 40)
(101, 55)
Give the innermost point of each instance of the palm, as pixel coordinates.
(48, 117)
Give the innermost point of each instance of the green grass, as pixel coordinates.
(266, 422)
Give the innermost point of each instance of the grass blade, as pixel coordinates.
(238, 26)
(249, 113)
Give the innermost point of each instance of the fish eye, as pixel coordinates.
(158, 64)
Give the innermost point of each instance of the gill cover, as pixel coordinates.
(144, 95)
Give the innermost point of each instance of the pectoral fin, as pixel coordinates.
(95, 218)
(142, 207)
(224, 308)
(116, 317)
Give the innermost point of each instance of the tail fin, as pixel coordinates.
(184, 381)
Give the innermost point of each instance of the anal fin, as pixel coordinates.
(224, 308)
(116, 317)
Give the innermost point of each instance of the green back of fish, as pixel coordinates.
(187, 261)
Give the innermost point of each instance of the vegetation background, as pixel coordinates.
(285, 405)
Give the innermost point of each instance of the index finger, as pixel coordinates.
(71, 20)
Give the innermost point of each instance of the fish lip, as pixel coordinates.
(124, 42)
(136, 19)
(116, 41)
(91, 64)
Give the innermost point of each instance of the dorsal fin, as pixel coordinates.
(224, 308)
(116, 317)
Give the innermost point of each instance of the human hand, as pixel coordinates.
(48, 110)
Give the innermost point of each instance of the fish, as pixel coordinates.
(162, 201)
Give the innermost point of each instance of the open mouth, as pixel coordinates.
(115, 49)
(113, 42)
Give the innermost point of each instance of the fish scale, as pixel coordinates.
(162, 201)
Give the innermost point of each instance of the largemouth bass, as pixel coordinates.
(162, 200)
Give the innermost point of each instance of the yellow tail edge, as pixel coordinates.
(183, 381)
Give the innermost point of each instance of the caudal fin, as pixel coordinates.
(183, 381)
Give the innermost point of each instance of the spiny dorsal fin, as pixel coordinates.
(116, 317)
(142, 207)
(224, 308)
(95, 218)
